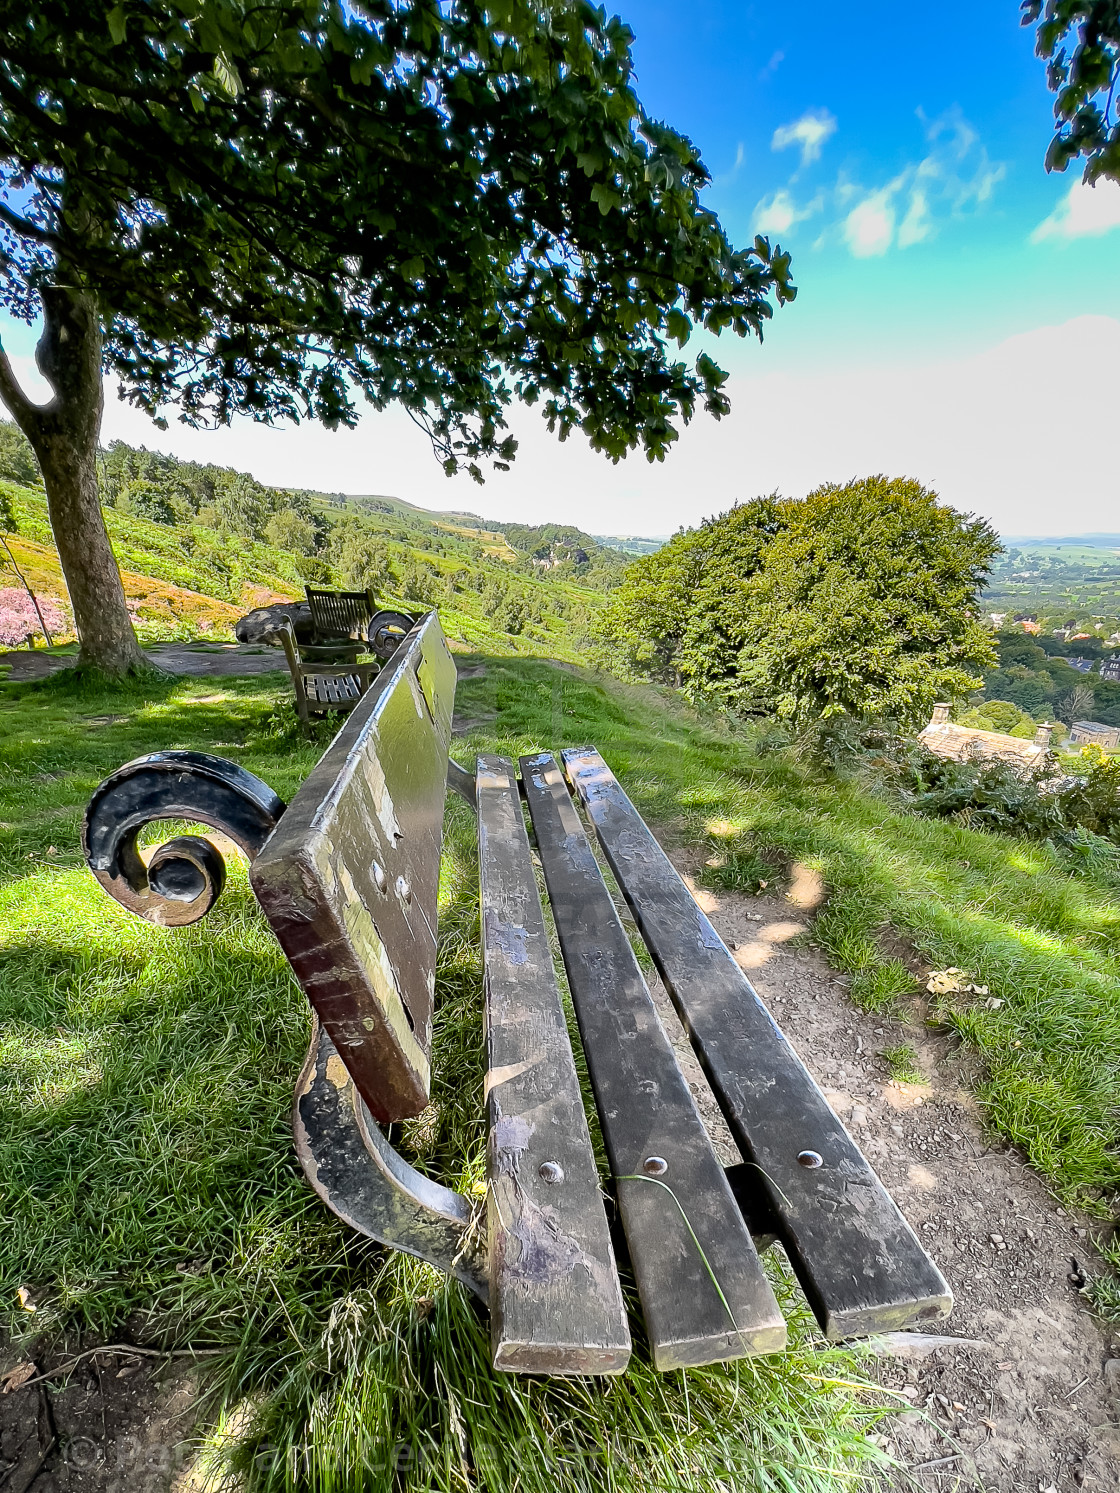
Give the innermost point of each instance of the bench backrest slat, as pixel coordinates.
(349, 879)
(339, 614)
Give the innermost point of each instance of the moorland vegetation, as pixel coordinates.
(222, 542)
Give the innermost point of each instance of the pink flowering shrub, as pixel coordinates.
(18, 621)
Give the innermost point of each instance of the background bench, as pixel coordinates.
(348, 876)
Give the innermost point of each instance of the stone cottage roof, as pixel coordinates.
(966, 744)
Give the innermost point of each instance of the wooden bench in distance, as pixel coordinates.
(348, 875)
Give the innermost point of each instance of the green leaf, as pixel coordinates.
(229, 79)
(118, 24)
(606, 196)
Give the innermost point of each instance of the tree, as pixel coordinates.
(277, 208)
(360, 558)
(643, 625)
(288, 532)
(17, 460)
(859, 599)
(1080, 40)
(1076, 705)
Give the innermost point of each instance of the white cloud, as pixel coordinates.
(967, 427)
(954, 178)
(869, 227)
(776, 60)
(809, 132)
(1084, 212)
(778, 214)
(775, 214)
(916, 225)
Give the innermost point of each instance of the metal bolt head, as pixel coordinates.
(810, 1160)
(655, 1166)
(551, 1172)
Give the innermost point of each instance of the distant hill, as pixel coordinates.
(633, 544)
(1035, 541)
(201, 544)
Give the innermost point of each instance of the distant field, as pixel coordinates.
(1066, 579)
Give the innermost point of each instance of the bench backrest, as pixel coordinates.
(349, 879)
(340, 614)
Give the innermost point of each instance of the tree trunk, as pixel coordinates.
(63, 435)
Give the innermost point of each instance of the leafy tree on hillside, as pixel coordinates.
(858, 600)
(287, 531)
(1080, 40)
(275, 208)
(645, 622)
(360, 559)
(17, 460)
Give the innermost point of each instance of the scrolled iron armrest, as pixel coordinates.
(184, 877)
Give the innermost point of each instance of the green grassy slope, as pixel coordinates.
(147, 1175)
(482, 586)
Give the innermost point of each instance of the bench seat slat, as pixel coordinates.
(859, 1262)
(555, 1299)
(647, 1110)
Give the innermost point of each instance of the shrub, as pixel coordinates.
(19, 621)
(995, 795)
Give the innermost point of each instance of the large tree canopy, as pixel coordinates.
(276, 207)
(859, 599)
(1080, 40)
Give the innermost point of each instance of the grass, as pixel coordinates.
(149, 1185)
(145, 1158)
(902, 1063)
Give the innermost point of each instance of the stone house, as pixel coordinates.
(1093, 733)
(967, 744)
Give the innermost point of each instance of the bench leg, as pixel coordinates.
(360, 1177)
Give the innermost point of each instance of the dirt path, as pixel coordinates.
(1031, 1402)
(195, 658)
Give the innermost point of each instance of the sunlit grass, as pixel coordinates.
(145, 1085)
(148, 1183)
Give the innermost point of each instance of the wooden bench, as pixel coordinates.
(348, 873)
(330, 677)
(338, 615)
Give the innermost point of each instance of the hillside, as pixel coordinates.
(1061, 581)
(200, 545)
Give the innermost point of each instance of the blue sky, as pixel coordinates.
(958, 315)
(846, 119)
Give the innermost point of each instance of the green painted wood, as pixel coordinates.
(660, 1153)
(556, 1305)
(860, 1263)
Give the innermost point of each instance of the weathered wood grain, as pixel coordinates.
(555, 1301)
(859, 1262)
(659, 1150)
(350, 880)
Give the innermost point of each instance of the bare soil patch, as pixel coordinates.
(1032, 1400)
(116, 1424)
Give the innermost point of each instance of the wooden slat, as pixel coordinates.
(647, 1111)
(859, 1262)
(349, 879)
(555, 1301)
